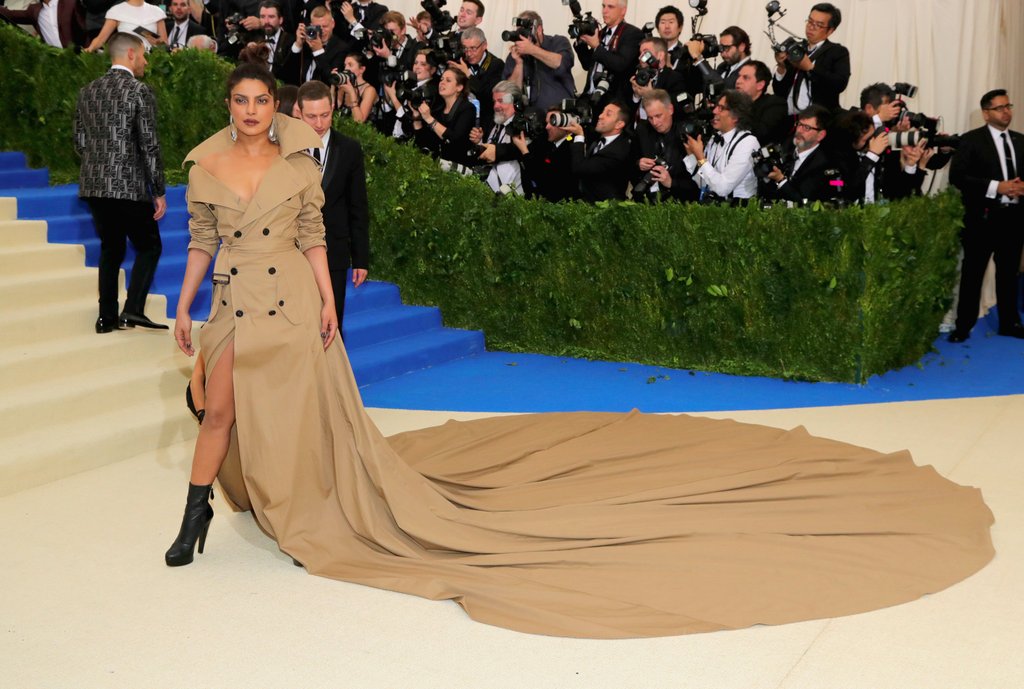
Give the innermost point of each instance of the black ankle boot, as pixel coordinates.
(194, 526)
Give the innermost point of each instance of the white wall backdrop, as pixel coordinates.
(954, 50)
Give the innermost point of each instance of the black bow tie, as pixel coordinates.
(718, 139)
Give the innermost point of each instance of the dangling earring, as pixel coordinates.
(272, 133)
(234, 129)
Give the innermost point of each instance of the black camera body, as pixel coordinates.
(234, 22)
(441, 20)
(580, 109)
(648, 69)
(390, 76)
(417, 95)
(767, 158)
(647, 181)
(530, 123)
(522, 28)
(380, 38)
(697, 123)
(795, 48)
(445, 49)
(583, 25)
(314, 32)
(711, 47)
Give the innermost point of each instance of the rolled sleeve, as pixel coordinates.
(202, 223)
(311, 219)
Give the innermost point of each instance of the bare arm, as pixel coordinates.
(317, 257)
(195, 270)
(108, 28)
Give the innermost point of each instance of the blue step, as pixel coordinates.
(23, 178)
(371, 295)
(51, 202)
(393, 358)
(368, 327)
(12, 160)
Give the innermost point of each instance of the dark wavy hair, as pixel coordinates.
(249, 70)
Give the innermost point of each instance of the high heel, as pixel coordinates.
(200, 414)
(194, 526)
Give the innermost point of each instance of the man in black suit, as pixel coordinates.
(823, 74)
(346, 211)
(279, 41)
(547, 163)
(181, 26)
(769, 120)
(610, 53)
(484, 70)
(805, 178)
(986, 170)
(354, 18)
(602, 166)
(660, 173)
(735, 45)
(60, 28)
(656, 76)
(315, 57)
(122, 178)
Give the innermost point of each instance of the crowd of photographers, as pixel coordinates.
(656, 117)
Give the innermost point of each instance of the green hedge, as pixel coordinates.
(811, 294)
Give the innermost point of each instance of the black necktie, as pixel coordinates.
(598, 145)
(498, 132)
(174, 37)
(316, 154)
(1011, 170)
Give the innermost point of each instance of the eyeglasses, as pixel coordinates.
(807, 127)
(721, 106)
(816, 25)
(472, 48)
(725, 46)
(1001, 108)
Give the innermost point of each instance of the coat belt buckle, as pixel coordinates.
(221, 279)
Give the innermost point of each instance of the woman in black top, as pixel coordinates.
(444, 128)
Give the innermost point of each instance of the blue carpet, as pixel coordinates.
(984, 366)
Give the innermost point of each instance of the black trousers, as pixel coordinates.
(116, 221)
(1001, 234)
(339, 281)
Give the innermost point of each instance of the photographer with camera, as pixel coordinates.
(769, 119)
(356, 97)
(443, 128)
(653, 74)
(398, 111)
(658, 147)
(483, 69)
(278, 41)
(238, 24)
(356, 17)
(801, 174)
(609, 55)
(669, 22)
(733, 47)
(496, 148)
(471, 14)
(818, 72)
(317, 51)
(986, 169)
(547, 160)
(602, 167)
(540, 65)
(726, 171)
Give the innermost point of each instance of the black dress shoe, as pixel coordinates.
(106, 325)
(130, 320)
(1015, 330)
(956, 336)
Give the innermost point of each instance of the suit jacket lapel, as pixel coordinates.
(333, 160)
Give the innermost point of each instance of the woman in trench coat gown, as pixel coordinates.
(590, 524)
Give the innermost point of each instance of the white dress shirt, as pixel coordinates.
(993, 186)
(48, 23)
(729, 170)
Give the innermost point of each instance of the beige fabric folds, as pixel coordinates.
(592, 524)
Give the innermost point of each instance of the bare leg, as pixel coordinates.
(198, 382)
(215, 433)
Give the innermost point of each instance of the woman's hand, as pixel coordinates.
(328, 324)
(424, 110)
(183, 333)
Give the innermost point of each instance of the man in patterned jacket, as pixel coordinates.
(122, 178)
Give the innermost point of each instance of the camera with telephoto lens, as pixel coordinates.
(234, 24)
(711, 47)
(342, 78)
(899, 140)
(904, 89)
(601, 86)
(573, 110)
(529, 123)
(647, 181)
(582, 24)
(767, 158)
(648, 69)
(524, 28)
(441, 20)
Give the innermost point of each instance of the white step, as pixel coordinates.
(34, 258)
(77, 316)
(21, 232)
(48, 286)
(8, 208)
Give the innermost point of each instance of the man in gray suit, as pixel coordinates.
(122, 178)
